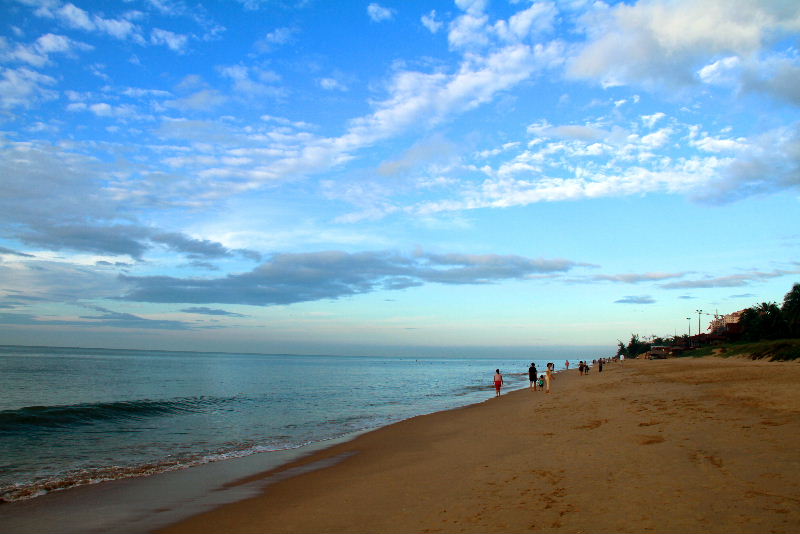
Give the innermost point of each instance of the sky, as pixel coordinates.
(393, 178)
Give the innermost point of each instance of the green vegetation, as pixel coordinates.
(767, 331)
(777, 349)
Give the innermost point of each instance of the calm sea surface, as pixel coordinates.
(71, 416)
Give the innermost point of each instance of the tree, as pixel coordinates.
(773, 323)
(764, 321)
(635, 347)
(791, 310)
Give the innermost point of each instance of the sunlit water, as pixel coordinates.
(75, 416)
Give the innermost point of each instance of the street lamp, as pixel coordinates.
(699, 312)
(690, 325)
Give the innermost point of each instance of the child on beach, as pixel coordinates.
(498, 382)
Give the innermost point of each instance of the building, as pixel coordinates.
(727, 325)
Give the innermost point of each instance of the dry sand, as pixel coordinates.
(682, 445)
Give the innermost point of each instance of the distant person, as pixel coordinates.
(498, 382)
(532, 375)
(541, 382)
(586, 367)
(622, 359)
(548, 377)
(567, 364)
(600, 365)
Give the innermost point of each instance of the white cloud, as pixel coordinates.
(430, 22)
(539, 18)
(717, 144)
(378, 13)
(253, 81)
(777, 76)
(469, 31)
(473, 7)
(173, 41)
(657, 139)
(206, 99)
(331, 84)
(767, 163)
(660, 41)
(23, 87)
(38, 53)
(582, 132)
(75, 17)
(275, 38)
(118, 28)
(720, 71)
(651, 120)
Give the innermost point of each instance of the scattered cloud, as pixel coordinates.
(378, 13)
(109, 318)
(734, 280)
(4, 250)
(23, 87)
(430, 22)
(633, 278)
(202, 310)
(332, 84)
(666, 43)
(632, 299)
(275, 39)
(290, 278)
(173, 41)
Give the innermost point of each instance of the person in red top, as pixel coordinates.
(498, 382)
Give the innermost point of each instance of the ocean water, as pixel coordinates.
(71, 416)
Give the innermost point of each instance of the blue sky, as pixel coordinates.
(394, 177)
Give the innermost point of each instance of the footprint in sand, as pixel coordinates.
(650, 423)
(592, 424)
(650, 440)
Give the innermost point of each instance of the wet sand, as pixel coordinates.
(681, 445)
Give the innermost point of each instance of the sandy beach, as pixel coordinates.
(681, 445)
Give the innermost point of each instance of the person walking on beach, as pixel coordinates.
(580, 367)
(532, 375)
(548, 376)
(567, 364)
(498, 382)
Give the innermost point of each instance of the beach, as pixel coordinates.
(677, 445)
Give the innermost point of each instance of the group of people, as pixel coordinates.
(542, 382)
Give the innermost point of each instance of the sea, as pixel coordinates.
(74, 416)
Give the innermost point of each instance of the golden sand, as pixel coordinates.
(682, 445)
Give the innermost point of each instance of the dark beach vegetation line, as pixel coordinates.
(763, 331)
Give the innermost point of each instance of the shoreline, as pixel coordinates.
(141, 503)
(682, 444)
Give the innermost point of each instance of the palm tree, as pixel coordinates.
(791, 310)
(773, 324)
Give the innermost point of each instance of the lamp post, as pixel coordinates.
(699, 312)
(689, 337)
